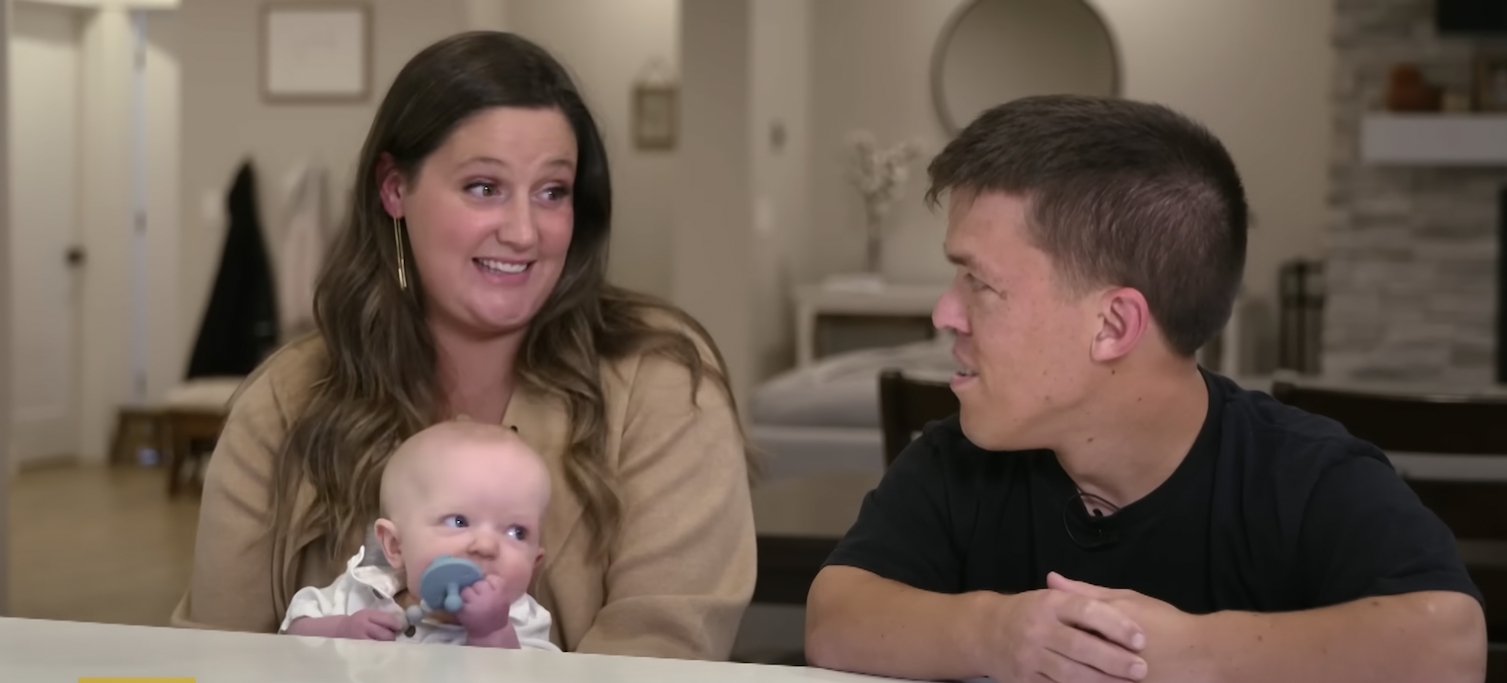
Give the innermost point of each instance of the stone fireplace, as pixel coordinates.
(1413, 235)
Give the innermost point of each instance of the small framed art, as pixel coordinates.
(316, 52)
(655, 116)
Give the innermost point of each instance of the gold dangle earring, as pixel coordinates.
(397, 238)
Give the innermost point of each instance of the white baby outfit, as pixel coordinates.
(373, 587)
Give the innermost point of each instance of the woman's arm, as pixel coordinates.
(684, 566)
(231, 587)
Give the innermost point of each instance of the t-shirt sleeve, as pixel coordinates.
(1366, 534)
(904, 530)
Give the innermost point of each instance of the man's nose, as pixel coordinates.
(947, 314)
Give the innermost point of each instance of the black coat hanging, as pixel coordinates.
(240, 325)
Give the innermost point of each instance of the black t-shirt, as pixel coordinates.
(1273, 509)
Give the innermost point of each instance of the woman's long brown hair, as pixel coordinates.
(381, 384)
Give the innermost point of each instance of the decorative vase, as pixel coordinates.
(878, 173)
(1407, 91)
(875, 251)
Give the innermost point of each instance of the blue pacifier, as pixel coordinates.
(441, 585)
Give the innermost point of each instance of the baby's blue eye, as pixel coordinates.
(457, 521)
(518, 533)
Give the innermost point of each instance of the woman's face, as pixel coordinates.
(489, 217)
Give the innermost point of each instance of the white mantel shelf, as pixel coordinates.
(1434, 139)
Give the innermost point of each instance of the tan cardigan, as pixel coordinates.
(676, 586)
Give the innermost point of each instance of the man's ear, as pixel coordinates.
(390, 185)
(1124, 319)
(387, 535)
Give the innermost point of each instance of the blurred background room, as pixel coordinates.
(173, 170)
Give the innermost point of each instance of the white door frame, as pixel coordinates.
(5, 382)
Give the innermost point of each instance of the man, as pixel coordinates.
(1102, 509)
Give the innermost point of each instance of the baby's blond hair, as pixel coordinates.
(397, 472)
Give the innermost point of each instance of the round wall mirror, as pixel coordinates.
(994, 51)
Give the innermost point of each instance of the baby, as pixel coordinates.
(464, 489)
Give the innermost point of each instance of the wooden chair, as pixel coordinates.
(194, 414)
(1426, 424)
(906, 405)
(138, 427)
(788, 565)
(193, 433)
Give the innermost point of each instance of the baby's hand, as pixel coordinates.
(484, 608)
(370, 624)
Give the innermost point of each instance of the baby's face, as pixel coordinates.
(481, 501)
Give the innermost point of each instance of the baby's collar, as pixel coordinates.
(386, 581)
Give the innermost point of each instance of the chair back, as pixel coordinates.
(1436, 425)
(906, 404)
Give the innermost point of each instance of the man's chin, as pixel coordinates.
(986, 436)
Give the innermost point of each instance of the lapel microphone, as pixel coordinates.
(1089, 534)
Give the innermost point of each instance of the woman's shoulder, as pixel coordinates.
(664, 327)
(283, 381)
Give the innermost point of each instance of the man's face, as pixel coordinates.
(1023, 343)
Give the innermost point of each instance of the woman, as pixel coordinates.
(471, 282)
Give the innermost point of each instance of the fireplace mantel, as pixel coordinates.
(1433, 139)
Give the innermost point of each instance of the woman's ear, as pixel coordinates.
(390, 184)
(387, 535)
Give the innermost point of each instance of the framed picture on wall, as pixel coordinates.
(316, 52)
(655, 110)
(1491, 82)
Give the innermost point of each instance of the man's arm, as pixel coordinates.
(1433, 637)
(860, 622)
(857, 621)
(1428, 636)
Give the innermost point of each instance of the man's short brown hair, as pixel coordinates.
(1119, 193)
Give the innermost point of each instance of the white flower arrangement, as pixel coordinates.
(879, 173)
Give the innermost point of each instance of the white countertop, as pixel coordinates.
(35, 651)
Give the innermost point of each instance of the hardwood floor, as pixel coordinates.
(99, 544)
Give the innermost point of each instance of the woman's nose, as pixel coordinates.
(517, 229)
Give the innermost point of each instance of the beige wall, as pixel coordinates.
(1212, 60)
(620, 45)
(712, 233)
(225, 121)
(781, 193)
(1257, 72)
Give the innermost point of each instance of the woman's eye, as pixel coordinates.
(557, 193)
(518, 533)
(483, 189)
(456, 521)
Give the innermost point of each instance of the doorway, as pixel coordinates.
(44, 88)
